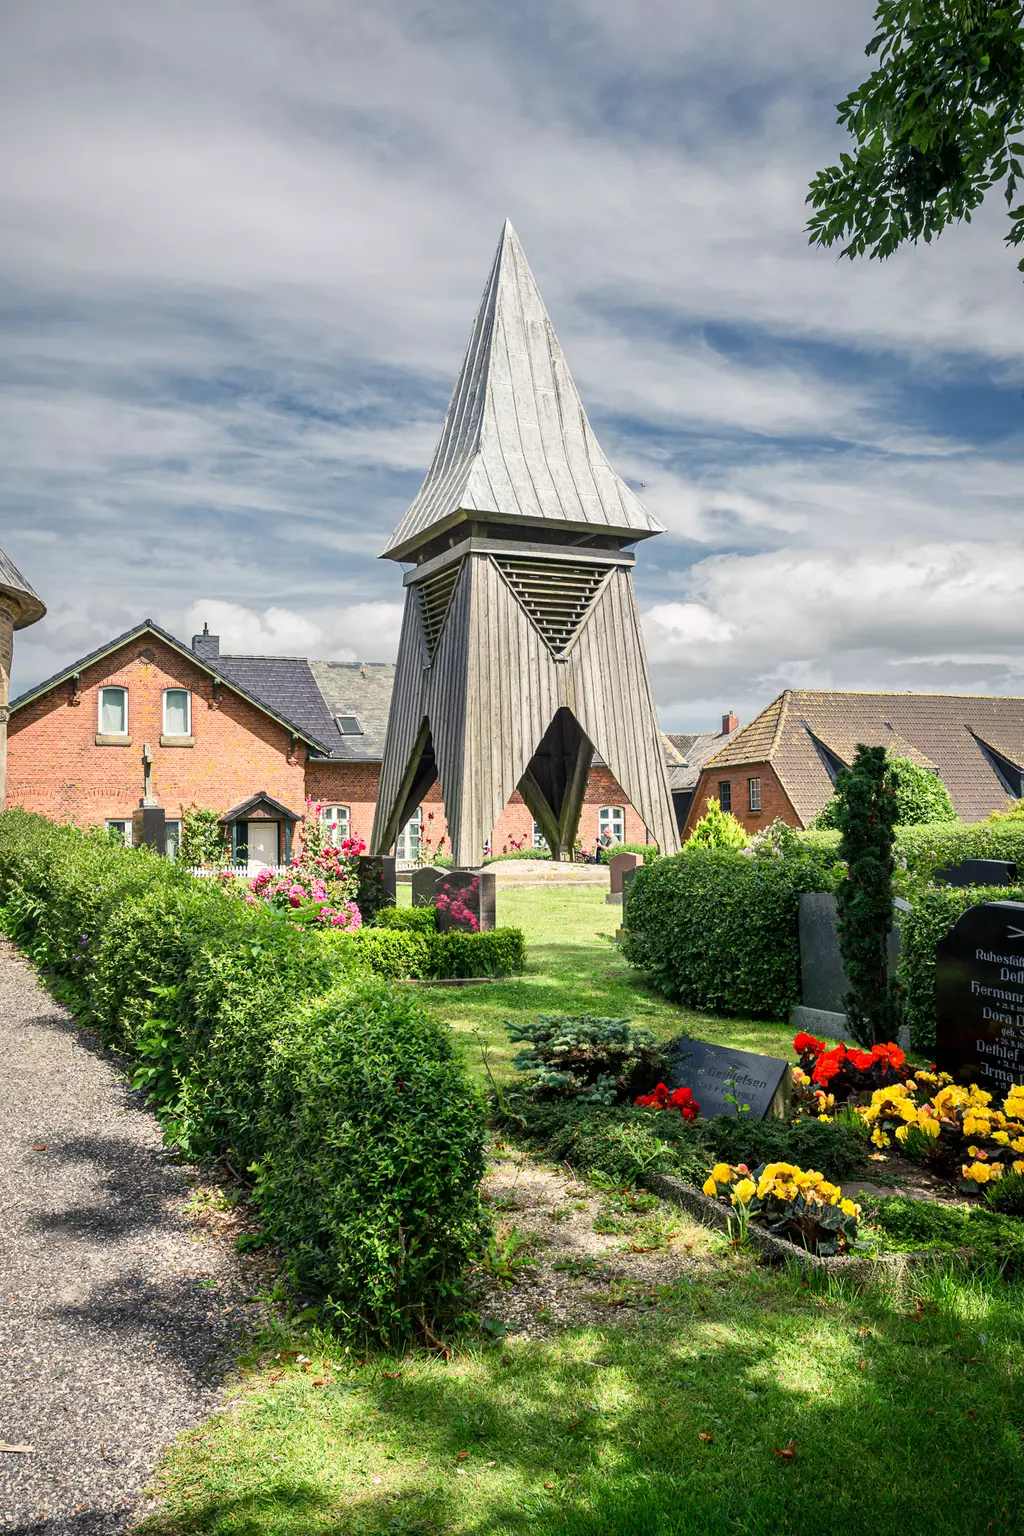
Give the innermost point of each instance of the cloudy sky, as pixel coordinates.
(241, 246)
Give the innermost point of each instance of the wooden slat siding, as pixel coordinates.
(516, 441)
(615, 706)
(446, 706)
(404, 719)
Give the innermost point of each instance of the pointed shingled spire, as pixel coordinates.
(27, 605)
(516, 442)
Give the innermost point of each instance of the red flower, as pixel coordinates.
(653, 1100)
(890, 1054)
(828, 1064)
(804, 1042)
(862, 1060)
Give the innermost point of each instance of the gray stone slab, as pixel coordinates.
(763, 1083)
(823, 983)
(465, 900)
(424, 885)
(978, 872)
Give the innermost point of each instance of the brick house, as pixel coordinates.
(252, 737)
(785, 762)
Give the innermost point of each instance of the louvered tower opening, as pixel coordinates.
(555, 593)
(435, 595)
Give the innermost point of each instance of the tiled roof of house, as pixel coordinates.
(692, 751)
(941, 731)
(362, 689)
(287, 685)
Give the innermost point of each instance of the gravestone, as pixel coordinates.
(979, 997)
(618, 866)
(978, 872)
(464, 900)
(628, 876)
(378, 886)
(823, 983)
(149, 828)
(149, 821)
(711, 1071)
(424, 884)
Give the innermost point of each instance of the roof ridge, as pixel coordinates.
(783, 712)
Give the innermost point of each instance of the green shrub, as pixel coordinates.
(922, 851)
(996, 1240)
(933, 911)
(649, 852)
(717, 929)
(420, 919)
(373, 1155)
(717, 829)
(920, 794)
(626, 1143)
(866, 816)
(518, 853)
(393, 953)
(214, 998)
(496, 952)
(1007, 1194)
(591, 1060)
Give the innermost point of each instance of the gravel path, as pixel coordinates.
(117, 1309)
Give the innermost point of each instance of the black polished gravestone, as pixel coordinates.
(979, 997)
(464, 900)
(978, 872)
(377, 884)
(763, 1083)
(424, 885)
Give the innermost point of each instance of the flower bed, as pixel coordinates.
(799, 1205)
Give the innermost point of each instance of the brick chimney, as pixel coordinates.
(730, 722)
(206, 646)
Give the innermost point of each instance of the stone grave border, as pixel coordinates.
(779, 1250)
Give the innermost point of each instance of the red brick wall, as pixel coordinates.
(774, 800)
(56, 768)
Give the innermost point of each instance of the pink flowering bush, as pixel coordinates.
(319, 885)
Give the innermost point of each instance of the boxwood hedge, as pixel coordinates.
(717, 928)
(278, 1049)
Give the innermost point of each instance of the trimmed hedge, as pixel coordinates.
(933, 911)
(717, 929)
(329, 1096)
(650, 851)
(398, 953)
(421, 919)
(930, 847)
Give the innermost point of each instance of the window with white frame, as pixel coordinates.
(113, 716)
(172, 838)
(754, 786)
(177, 712)
(122, 828)
(539, 840)
(611, 819)
(408, 844)
(337, 819)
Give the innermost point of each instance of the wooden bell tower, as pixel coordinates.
(521, 653)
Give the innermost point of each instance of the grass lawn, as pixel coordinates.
(904, 1414)
(575, 967)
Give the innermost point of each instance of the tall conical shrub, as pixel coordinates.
(866, 815)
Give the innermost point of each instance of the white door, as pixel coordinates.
(262, 845)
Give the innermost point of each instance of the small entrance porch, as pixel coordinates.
(261, 831)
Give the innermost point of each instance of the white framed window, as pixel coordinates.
(540, 842)
(172, 838)
(113, 712)
(337, 819)
(754, 788)
(611, 819)
(408, 844)
(120, 827)
(177, 712)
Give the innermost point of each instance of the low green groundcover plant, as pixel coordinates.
(627, 1143)
(275, 1047)
(996, 1240)
(588, 1059)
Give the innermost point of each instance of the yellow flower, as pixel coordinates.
(849, 1209)
(1000, 1136)
(902, 1132)
(879, 1138)
(744, 1192)
(826, 1118)
(711, 1188)
(1018, 1167)
(721, 1173)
